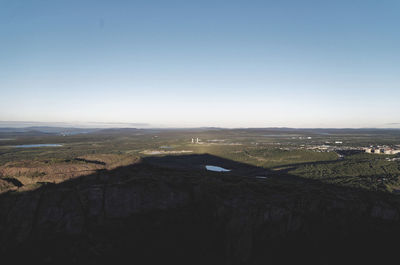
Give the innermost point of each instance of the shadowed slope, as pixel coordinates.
(170, 209)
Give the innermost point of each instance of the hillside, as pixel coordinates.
(150, 213)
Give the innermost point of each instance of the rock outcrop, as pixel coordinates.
(148, 214)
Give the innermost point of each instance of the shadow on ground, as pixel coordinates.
(171, 210)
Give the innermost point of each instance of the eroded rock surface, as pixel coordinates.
(150, 215)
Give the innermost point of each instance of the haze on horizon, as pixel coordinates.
(201, 63)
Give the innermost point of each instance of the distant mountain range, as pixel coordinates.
(52, 130)
(27, 124)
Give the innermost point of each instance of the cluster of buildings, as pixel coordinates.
(331, 148)
(382, 150)
(197, 140)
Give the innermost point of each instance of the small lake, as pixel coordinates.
(37, 145)
(216, 169)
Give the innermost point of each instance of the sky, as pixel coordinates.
(201, 63)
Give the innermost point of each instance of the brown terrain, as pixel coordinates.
(27, 175)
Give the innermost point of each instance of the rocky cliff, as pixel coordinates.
(148, 214)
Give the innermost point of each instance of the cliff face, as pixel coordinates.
(148, 214)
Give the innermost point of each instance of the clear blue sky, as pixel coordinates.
(202, 63)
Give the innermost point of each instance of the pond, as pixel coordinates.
(37, 145)
(216, 169)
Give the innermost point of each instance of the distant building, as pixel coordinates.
(338, 142)
(392, 152)
(382, 150)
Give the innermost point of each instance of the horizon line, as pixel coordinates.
(133, 125)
